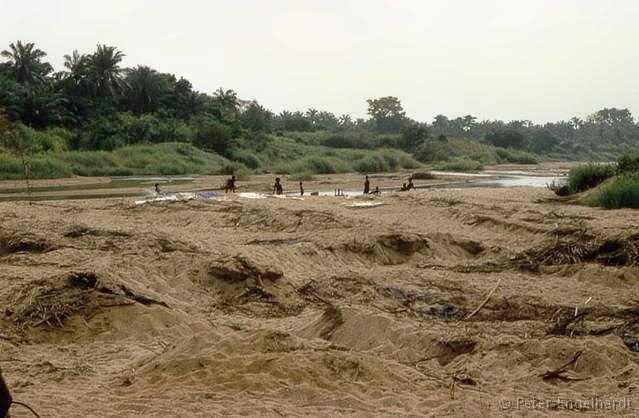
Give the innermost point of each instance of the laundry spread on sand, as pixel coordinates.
(364, 205)
(178, 197)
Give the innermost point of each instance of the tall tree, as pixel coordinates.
(387, 113)
(105, 71)
(227, 98)
(77, 72)
(25, 62)
(145, 89)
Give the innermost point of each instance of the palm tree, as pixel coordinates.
(25, 64)
(146, 87)
(105, 71)
(312, 116)
(345, 120)
(227, 98)
(77, 73)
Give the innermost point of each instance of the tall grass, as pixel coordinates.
(587, 176)
(165, 158)
(621, 192)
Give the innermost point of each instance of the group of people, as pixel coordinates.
(278, 189)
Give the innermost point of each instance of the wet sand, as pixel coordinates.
(287, 307)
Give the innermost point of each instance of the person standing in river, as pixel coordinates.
(367, 186)
(301, 189)
(277, 187)
(230, 185)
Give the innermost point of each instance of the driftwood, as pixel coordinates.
(561, 327)
(485, 301)
(558, 373)
(144, 300)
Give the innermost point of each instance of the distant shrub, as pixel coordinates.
(315, 165)
(371, 164)
(560, 189)
(484, 155)
(622, 192)
(587, 176)
(423, 175)
(319, 165)
(517, 157)
(430, 151)
(508, 138)
(43, 168)
(363, 139)
(239, 170)
(459, 164)
(10, 167)
(628, 163)
(406, 161)
(246, 157)
(390, 158)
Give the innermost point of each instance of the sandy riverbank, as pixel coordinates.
(283, 307)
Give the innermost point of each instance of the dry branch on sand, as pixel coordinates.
(484, 302)
(559, 373)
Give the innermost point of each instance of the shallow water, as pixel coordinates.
(488, 178)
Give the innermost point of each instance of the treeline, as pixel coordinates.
(94, 103)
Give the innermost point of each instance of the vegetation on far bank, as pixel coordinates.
(96, 117)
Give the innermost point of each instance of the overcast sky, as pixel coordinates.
(495, 59)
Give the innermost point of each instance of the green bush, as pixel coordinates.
(628, 163)
(423, 175)
(247, 158)
(459, 164)
(351, 139)
(10, 167)
(433, 150)
(621, 192)
(316, 165)
(44, 168)
(406, 161)
(239, 170)
(587, 176)
(513, 156)
(371, 164)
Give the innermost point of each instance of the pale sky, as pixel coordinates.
(541, 60)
